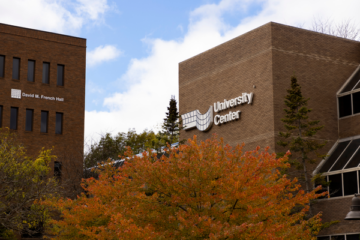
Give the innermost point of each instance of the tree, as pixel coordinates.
(112, 147)
(171, 126)
(200, 191)
(23, 181)
(346, 29)
(300, 133)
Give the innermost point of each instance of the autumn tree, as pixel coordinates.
(300, 133)
(205, 190)
(23, 181)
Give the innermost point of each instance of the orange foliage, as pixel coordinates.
(200, 191)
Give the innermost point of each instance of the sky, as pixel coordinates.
(134, 47)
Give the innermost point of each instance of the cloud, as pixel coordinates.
(102, 54)
(52, 15)
(150, 81)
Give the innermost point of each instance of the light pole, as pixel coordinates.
(354, 213)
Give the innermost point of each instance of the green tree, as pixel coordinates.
(23, 181)
(300, 133)
(171, 126)
(114, 146)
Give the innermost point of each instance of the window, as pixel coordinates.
(340, 237)
(345, 106)
(57, 169)
(2, 66)
(29, 119)
(341, 168)
(59, 123)
(44, 121)
(16, 69)
(13, 118)
(60, 75)
(31, 71)
(1, 114)
(46, 73)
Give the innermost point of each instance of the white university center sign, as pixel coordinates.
(203, 122)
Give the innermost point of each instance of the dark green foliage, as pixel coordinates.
(300, 131)
(171, 126)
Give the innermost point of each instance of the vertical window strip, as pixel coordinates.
(2, 66)
(16, 69)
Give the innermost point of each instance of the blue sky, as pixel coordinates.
(134, 47)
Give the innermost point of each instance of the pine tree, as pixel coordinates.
(171, 126)
(300, 131)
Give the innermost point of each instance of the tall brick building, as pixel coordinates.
(42, 96)
(237, 90)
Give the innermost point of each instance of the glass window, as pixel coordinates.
(13, 118)
(335, 185)
(44, 121)
(323, 238)
(350, 183)
(29, 119)
(345, 106)
(344, 158)
(353, 237)
(57, 169)
(31, 71)
(1, 114)
(16, 69)
(46, 72)
(334, 156)
(60, 75)
(2, 66)
(356, 102)
(338, 237)
(59, 123)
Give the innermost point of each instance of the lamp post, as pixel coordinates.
(354, 213)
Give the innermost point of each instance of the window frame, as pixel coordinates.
(17, 118)
(48, 75)
(19, 69)
(30, 60)
(62, 123)
(63, 75)
(32, 120)
(47, 122)
(3, 66)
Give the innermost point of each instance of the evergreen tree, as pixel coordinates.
(171, 126)
(300, 131)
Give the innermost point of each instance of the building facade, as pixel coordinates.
(237, 91)
(42, 98)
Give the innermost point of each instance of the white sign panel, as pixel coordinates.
(16, 93)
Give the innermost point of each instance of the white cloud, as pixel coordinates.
(102, 54)
(52, 15)
(153, 79)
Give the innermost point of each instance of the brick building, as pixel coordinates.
(42, 95)
(252, 72)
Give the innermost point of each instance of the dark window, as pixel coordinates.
(59, 123)
(344, 158)
(334, 155)
(345, 106)
(1, 114)
(60, 75)
(335, 185)
(29, 119)
(338, 237)
(44, 121)
(46, 73)
(31, 71)
(356, 102)
(57, 169)
(16, 69)
(353, 83)
(352, 236)
(2, 66)
(350, 183)
(13, 118)
(355, 160)
(323, 238)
